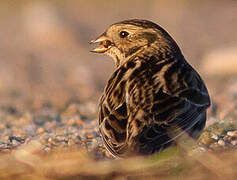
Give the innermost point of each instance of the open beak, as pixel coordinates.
(105, 44)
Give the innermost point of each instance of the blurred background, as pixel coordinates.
(44, 50)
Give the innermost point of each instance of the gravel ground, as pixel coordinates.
(76, 126)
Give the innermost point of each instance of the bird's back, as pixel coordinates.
(149, 102)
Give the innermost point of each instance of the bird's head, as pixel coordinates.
(129, 38)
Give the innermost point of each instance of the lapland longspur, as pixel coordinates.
(154, 96)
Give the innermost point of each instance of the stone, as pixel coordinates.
(232, 133)
(215, 137)
(221, 142)
(234, 142)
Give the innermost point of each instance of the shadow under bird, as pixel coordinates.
(154, 96)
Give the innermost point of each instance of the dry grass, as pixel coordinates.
(30, 163)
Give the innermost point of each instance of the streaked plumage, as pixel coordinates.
(154, 95)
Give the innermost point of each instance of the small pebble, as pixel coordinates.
(50, 140)
(3, 146)
(90, 136)
(198, 150)
(215, 137)
(214, 146)
(18, 139)
(70, 142)
(221, 142)
(227, 138)
(47, 149)
(232, 133)
(234, 142)
(60, 138)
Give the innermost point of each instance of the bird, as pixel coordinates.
(154, 96)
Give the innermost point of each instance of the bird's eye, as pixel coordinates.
(123, 34)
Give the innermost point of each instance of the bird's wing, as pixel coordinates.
(174, 102)
(185, 83)
(113, 115)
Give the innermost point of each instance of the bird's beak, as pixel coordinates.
(105, 44)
